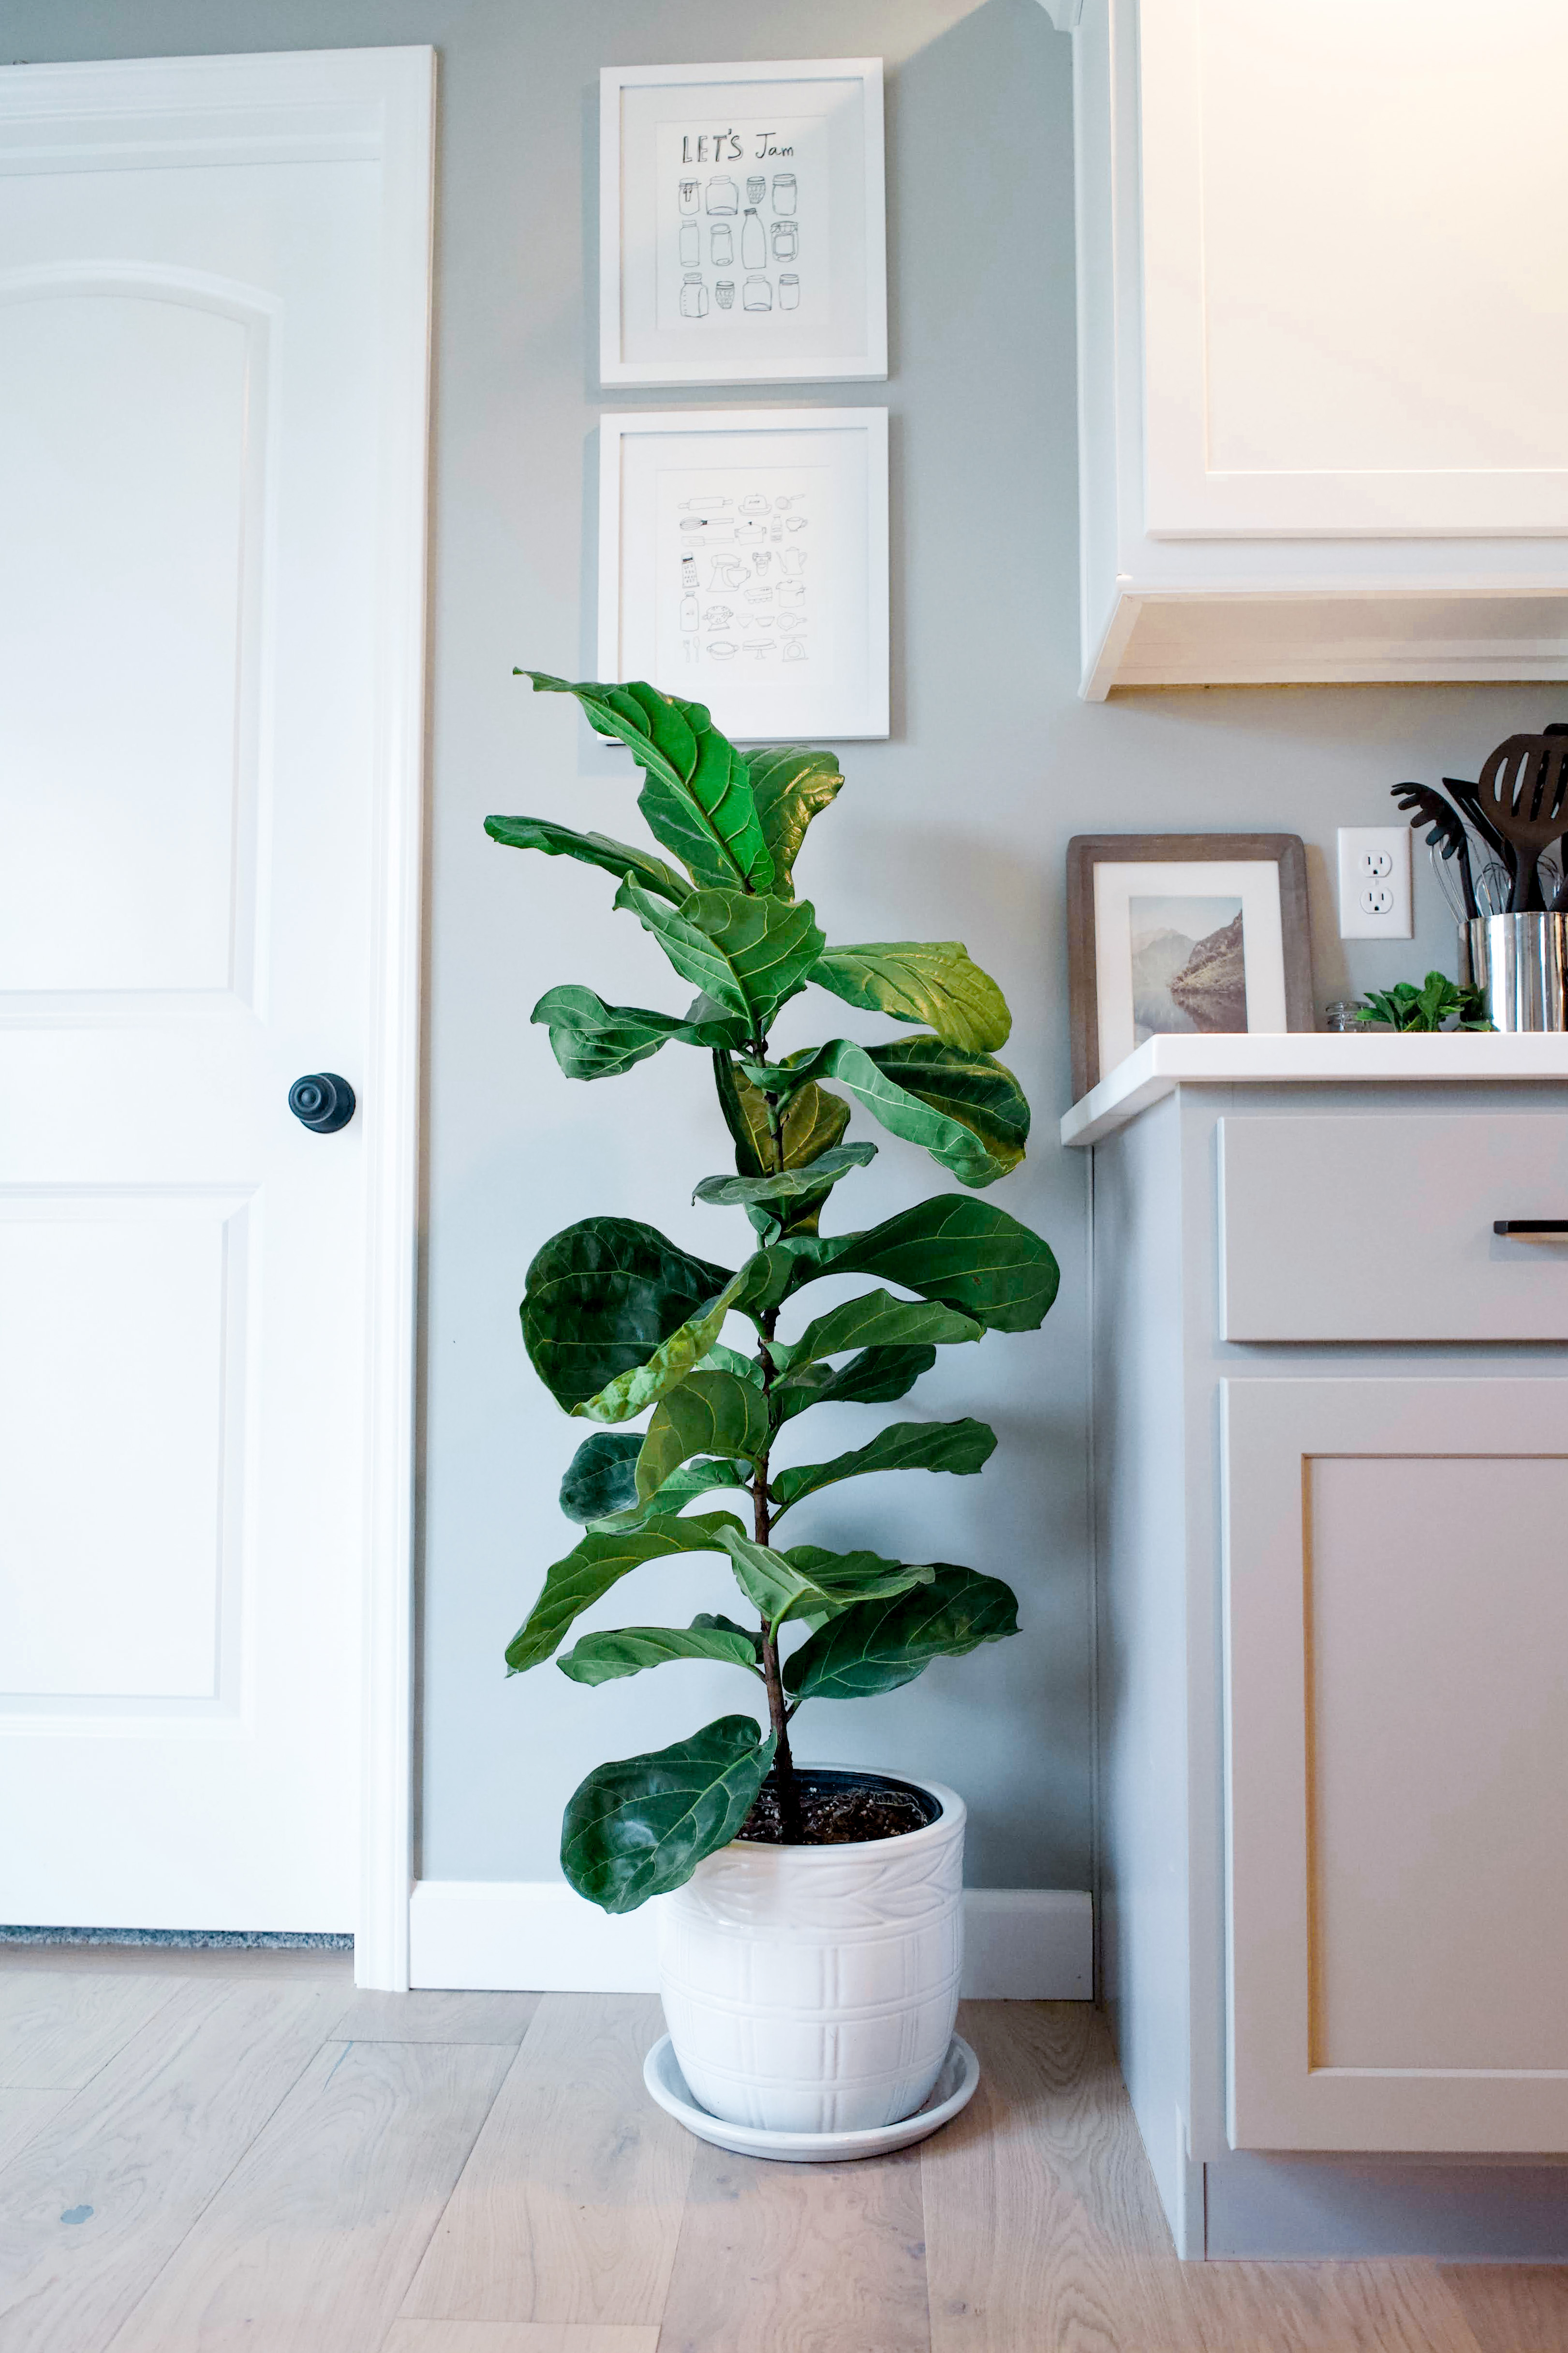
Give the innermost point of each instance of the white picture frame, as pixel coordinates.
(1239, 895)
(743, 564)
(701, 285)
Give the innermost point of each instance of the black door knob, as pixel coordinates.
(322, 1102)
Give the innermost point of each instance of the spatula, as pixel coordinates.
(1522, 791)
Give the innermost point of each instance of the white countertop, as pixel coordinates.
(1161, 1064)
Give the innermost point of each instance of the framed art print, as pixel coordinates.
(1179, 934)
(743, 563)
(741, 223)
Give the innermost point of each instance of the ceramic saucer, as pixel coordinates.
(954, 2089)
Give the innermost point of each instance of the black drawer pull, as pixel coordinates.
(1533, 1230)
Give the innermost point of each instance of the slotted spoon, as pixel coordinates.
(1522, 791)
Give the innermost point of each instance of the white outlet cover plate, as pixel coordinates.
(1374, 863)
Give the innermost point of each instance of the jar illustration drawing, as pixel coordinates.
(756, 295)
(723, 196)
(690, 244)
(724, 294)
(688, 612)
(787, 240)
(754, 243)
(689, 191)
(721, 237)
(756, 189)
(783, 192)
(693, 297)
(789, 291)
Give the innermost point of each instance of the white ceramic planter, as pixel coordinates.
(814, 1989)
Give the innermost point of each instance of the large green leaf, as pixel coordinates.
(599, 1560)
(969, 1253)
(617, 858)
(601, 1477)
(599, 1488)
(591, 1040)
(966, 1109)
(876, 1377)
(840, 1580)
(877, 1645)
(769, 1579)
(640, 1827)
(698, 800)
(811, 1122)
(789, 1185)
(810, 1126)
(710, 1413)
(974, 1090)
(602, 1295)
(748, 953)
(806, 1581)
(682, 1487)
(929, 981)
(604, 1658)
(878, 1320)
(958, 1446)
(671, 1363)
(791, 786)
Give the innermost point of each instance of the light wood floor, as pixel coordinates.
(200, 2153)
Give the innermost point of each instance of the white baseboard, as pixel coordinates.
(1020, 1944)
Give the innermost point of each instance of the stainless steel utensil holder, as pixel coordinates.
(1519, 963)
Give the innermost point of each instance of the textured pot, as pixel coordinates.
(814, 1989)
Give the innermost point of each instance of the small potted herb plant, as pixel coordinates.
(811, 1930)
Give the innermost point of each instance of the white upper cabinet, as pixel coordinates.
(1323, 258)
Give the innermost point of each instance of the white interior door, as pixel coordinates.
(213, 299)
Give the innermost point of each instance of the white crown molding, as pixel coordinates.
(1021, 1944)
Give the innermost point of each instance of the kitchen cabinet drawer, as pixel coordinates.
(1379, 1226)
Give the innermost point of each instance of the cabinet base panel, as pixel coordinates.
(1451, 2209)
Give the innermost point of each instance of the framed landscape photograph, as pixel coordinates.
(743, 563)
(742, 223)
(1182, 935)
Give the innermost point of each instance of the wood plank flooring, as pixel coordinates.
(206, 2151)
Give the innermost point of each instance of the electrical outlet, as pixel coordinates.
(1374, 882)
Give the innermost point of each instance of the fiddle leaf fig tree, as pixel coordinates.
(622, 1323)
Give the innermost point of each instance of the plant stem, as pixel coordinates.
(778, 1710)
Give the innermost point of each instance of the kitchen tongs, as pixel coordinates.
(1522, 793)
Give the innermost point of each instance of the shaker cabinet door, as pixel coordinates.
(1343, 277)
(1396, 1734)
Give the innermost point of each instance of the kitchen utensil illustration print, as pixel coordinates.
(749, 582)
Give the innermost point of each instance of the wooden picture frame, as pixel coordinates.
(742, 223)
(1276, 949)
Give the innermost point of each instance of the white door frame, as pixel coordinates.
(373, 105)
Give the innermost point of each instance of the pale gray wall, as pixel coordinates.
(956, 826)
